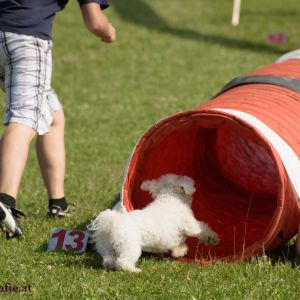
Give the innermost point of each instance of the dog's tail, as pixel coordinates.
(102, 221)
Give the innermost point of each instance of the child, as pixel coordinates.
(32, 107)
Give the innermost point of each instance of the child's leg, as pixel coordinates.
(14, 146)
(50, 150)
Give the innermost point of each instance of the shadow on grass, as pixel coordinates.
(140, 13)
(286, 254)
(279, 13)
(82, 226)
(91, 258)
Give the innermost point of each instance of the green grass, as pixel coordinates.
(169, 56)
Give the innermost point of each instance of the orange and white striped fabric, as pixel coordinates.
(242, 148)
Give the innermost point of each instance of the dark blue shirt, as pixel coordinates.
(34, 17)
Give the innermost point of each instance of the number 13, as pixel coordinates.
(67, 238)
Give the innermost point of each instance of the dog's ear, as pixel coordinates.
(150, 186)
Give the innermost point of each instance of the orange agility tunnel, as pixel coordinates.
(242, 149)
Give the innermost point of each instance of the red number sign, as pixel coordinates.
(68, 239)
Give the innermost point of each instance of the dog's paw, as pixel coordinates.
(135, 270)
(179, 251)
(131, 269)
(109, 263)
(124, 265)
(211, 239)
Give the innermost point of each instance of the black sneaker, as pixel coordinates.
(9, 221)
(56, 211)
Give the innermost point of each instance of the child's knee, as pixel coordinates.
(58, 118)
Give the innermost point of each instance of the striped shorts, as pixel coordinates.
(25, 77)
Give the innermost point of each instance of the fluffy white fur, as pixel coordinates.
(160, 227)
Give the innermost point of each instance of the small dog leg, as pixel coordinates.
(203, 232)
(126, 266)
(109, 262)
(179, 251)
(128, 254)
(207, 235)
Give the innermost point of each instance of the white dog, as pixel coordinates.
(160, 227)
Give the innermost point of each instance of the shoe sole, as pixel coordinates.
(9, 224)
(60, 213)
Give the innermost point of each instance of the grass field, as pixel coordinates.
(169, 56)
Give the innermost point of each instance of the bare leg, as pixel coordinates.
(14, 147)
(50, 150)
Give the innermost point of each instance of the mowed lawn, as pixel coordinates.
(169, 56)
